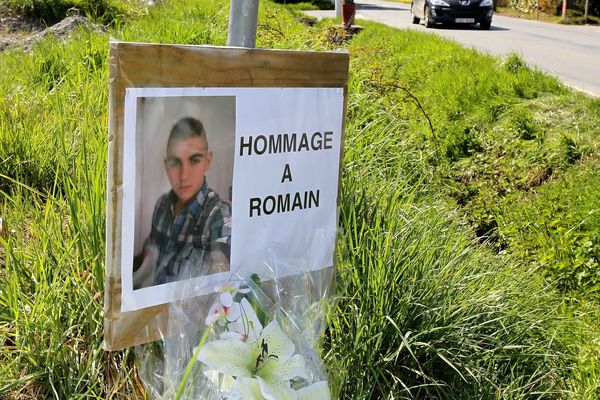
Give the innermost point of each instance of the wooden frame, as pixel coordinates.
(136, 65)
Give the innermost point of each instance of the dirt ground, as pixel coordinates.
(16, 30)
(19, 31)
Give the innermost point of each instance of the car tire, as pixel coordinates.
(427, 17)
(485, 25)
(415, 19)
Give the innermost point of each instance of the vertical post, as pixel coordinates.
(338, 8)
(585, 17)
(564, 9)
(243, 16)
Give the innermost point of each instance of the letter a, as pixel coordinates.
(287, 173)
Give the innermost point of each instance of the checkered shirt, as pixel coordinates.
(188, 240)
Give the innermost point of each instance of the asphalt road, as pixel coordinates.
(572, 53)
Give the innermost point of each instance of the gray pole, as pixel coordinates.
(338, 8)
(243, 16)
(587, 4)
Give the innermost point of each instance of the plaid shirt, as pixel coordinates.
(193, 241)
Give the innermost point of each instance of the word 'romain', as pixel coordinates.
(283, 203)
(285, 143)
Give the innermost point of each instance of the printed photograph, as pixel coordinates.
(183, 190)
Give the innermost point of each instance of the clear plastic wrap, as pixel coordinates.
(253, 338)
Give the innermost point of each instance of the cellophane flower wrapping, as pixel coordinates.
(255, 337)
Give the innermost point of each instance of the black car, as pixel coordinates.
(453, 11)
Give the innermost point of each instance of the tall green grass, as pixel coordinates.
(425, 310)
(53, 130)
(427, 315)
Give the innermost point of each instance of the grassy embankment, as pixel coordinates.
(469, 250)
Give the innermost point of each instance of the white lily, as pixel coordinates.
(252, 389)
(316, 391)
(225, 309)
(247, 327)
(221, 313)
(227, 292)
(263, 368)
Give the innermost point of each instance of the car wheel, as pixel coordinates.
(485, 25)
(415, 19)
(427, 20)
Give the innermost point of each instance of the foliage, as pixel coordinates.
(319, 4)
(480, 131)
(561, 234)
(575, 10)
(52, 11)
(442, 320)
(593, 6)
(53, 135)
(526, 6)
(444, 149)
(549, 6)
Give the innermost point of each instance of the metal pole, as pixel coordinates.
(243, 16)
(585, 18)
(338, 8)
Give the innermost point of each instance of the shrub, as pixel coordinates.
(549, 6)
(526, 6)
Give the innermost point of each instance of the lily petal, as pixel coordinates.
(276, 390)
(232, 335)
(233, 313)
(245, 389)
(231, 357)
(316, 391)
(226, 298)
(294, 367)
(214, 313)
(279, 345)
(248, 326)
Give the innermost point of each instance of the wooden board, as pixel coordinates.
(138, 65)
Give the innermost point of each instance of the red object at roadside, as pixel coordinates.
(348, 12)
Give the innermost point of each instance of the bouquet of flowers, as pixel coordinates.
(256, 341)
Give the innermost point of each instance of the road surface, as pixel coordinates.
(572, 53)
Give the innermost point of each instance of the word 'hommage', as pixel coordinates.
(285, 143)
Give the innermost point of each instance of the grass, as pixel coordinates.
(467, 135)
(433, 317)
(564, 229)
(52, 11)
(455, 280)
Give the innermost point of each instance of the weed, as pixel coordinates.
(569, 149)
(514, 63)
(520, 124)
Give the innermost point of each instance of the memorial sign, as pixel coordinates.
(223, 164)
